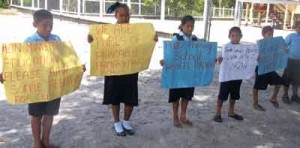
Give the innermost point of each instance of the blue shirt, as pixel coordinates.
(293, 42)
(185, 37)
(37, 38)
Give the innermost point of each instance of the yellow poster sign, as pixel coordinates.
(39, 72)
(119, 49)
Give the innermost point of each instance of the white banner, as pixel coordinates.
(239, 62)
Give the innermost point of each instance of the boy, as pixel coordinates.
(232, 87)
(292, 72)
(42, 112)
(262, 81)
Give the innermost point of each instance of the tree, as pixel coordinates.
(180, 7)
(224, 3)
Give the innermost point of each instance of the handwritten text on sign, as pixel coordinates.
(239, 62)
(121, 48)
(188, 64)
(272, 55)
(39, 72)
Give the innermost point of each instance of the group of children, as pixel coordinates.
(124, 88)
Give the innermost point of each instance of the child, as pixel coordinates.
(121, 88)
(42, 113)
(231, 88)
(262, 81)
(186, 94)
(292, 72)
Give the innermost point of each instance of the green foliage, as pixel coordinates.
(224, 3)
(3, 3)
(179, 8)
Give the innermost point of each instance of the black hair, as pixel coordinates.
(184, 20)
(115, 6)
(267, 29)
(41, 15)
(235, 29)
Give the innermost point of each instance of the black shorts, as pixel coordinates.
(262, 81)
(121, 89)
(291, 74)
(44, 108)
(184, 93)
(231, 88)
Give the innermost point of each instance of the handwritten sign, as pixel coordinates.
(239, 62)
(188, 63)
(121, 48)
(272, 55)
(39, 72)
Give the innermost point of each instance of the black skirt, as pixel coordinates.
(121, 89)
(184, 93)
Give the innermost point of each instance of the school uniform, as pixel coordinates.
(186, 93)
(292, 71)
(43, 108)
(121, 89)
(270, 78)
(231, 88)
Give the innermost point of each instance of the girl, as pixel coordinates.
(121, 88)
(186, 94)
(229, 87)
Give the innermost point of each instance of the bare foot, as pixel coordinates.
(49, 146)
(176, 123)
(186, 121)
(38, 144)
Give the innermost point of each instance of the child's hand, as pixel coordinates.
(155, 37)
(219, 60)
(161, 62)
(1, 78)
(90, 38)
(83, 68)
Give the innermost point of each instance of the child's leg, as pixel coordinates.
(255, 97)
(175, 106)
(36, 131)
(231, 107)
(127, 112)
(116, 112)
(184, 105)
(219, 107)
(295, 90)
(47, 125)
(275, 93)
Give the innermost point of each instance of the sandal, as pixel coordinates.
(275, 103)
(217, 118)
(259, 107)
(286, 99)
(236, 117)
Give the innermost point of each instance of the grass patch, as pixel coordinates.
(7, 11)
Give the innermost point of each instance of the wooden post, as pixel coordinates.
(46, 4)
(140, 7)
(251, 13)
(60, 6)
(32, 4)
(101, 8)
(129, 3)
(267, 13)
(247, 13)
(292, 17)
(285, 17)
(162, 11)
(78, 7)
(83, 7)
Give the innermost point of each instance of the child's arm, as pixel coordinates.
(219, 59)
(161, 62)
(155, 37)
(90, 38)
(1, 78)
(83, 68)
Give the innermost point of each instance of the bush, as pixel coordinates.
(3, 3)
